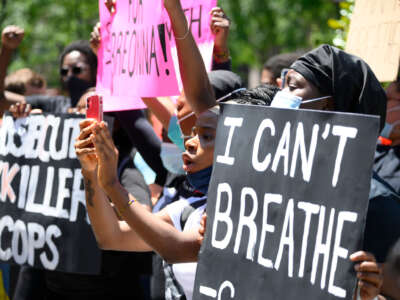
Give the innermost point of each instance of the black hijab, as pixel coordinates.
(347, 78)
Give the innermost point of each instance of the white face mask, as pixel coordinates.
(171, 157)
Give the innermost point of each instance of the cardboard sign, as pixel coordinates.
(286, 205)
(43, 220)
(375, 36)
(138, 58)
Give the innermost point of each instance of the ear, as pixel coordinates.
(279, 82)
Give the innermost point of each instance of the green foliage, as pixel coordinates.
(341, 25)
(261, 28)
(49, 26)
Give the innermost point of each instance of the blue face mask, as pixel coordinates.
(200, 180)
(284, 99)
(387, 130)
(175, 133)
(287, 100)
(171, 157)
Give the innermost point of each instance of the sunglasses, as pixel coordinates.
(76, 70)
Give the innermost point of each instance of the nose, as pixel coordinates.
(191, 144)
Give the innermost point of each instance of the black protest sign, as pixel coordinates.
(286, 205)
(43, 220)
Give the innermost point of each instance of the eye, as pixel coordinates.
(207, 137)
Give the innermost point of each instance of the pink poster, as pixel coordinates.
(137, 56)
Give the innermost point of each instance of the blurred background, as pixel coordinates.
(260, 29)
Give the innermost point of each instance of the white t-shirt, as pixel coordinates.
(185, 272)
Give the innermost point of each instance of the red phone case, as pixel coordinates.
(94, 107)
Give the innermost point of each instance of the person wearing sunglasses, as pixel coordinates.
(78, 67)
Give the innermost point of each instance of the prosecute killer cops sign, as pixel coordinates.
(137, 57)
(43, 220)
(286, 205)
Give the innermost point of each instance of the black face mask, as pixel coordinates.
(76, 88)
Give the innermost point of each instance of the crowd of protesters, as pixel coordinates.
(151, 234)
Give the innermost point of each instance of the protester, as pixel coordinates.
(25, 82)
(387, 155)
(273, 67)
(351, 87)
(120, 271)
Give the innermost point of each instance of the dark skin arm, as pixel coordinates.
(142, 230)
(197, 87)
(11, 38)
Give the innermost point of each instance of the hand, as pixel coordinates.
(95, 38)
(202, 228)
(11, 37)
(369, 274)
(20, 110)
(220, 25)
(110, 5)
(84, 147)
(107, 156)
(155, 192)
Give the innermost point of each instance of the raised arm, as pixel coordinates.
(146, 231)
(196, 85)
(11, 37)
(110, 232)
(163, 109)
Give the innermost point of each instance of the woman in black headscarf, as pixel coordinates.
(352, 87)
(328, 71)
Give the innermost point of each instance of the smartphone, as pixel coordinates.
(94, 107)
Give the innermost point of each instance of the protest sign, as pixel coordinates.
(286, 205)
(135, 57)
(374, 36)
(43, 220)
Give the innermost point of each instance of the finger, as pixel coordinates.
(373, 278)
(12, 108)
(105, 133)
(362, 256)
(86, 123)
(85, 151)
(22, 108)
(368, 266)
(36, 111)
(85, 132)
(219, 14)
(85, 143)
(215, 9)
(367, 290)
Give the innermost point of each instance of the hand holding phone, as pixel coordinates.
(94, 107)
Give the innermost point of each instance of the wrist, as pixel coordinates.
(221, 55)
(89, 174)
(111, 187)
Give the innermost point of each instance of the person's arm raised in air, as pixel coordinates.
(146, 231)
(197, 87)
(162, 108)
(219, 26)
(11, 38)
